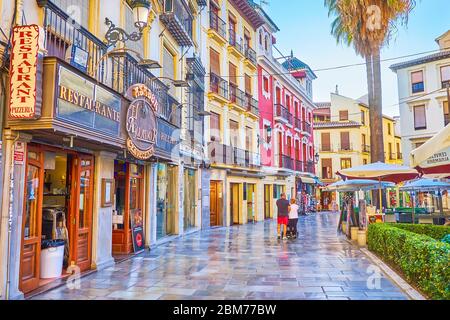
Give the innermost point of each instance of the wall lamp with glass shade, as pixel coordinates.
(141, 10)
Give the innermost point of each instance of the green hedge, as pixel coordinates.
(435, 232)
(424, 261)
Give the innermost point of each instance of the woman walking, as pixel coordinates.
(293, 219)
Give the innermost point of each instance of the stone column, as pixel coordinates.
(102, 217)
(12, 237)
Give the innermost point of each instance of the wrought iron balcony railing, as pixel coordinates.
(234, 41)
(282, 112)
(250, 54)
(299, 166)
(252, 104)
(218, 86)
(286, 162)
(365, 148)
(237, 96)
(178, 20)
(399, 156)
(345, 147)
(217, 24)
(326, 148)
(298, 123)
(309, 167)
(228, 155)
(307, 127)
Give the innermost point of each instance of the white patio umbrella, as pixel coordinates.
(356, 185)
(433, 157)
(380, 171)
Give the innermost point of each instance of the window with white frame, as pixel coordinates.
(417, 82)
(420, 118)
(445, 76)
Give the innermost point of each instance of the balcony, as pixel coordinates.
(307, 128)
(282, 114)
(326, 148)
(177, 19)
(250, 57)
(345, 147)
(235, 45)
(446, 119)
(217, 28)
(237, 97)
(392, 156)
(252, 105)
(218, 89)
(365, 148)
(309, 167)
(221, 154)
(297, 124)
(298, 166)
(286, 162)
(399, 156)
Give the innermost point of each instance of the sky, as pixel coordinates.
(305, 29)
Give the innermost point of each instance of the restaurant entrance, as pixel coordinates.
(58, 206)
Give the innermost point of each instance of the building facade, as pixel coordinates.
(232, 101)
(342, 134)
(423, 98)
(286, 107)
(112, 152)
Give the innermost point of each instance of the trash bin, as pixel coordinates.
(52, 256)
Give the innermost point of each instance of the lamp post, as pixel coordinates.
(141, 10)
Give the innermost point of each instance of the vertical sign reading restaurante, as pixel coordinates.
(25, 71)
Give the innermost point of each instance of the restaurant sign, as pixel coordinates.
(26, 74)
(440, 158)
(141, 125)
(84, 103)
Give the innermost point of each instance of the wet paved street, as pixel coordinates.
(242, 262)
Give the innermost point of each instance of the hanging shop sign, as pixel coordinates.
(19, 153)
(25, 74)
(84, 103)
(141, 122)
(168, 140)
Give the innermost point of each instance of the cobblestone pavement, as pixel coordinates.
(242, 262)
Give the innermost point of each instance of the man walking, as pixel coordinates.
(283, 215)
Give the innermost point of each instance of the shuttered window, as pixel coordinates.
(169, 68)
(326, 143)
(420, 119)
(345, 141)
(214, 58)
(234, 133)
(233, 73)
(215, 127)
(248, 139)
(78, 10)
(248, 84)
(343, 115)
(327, 169)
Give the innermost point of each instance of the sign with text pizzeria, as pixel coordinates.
(26, 74)
(141, 123)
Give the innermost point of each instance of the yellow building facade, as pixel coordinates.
(342, 136)
(231, 98)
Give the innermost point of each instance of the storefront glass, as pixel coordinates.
(165, 201)
(189, 199)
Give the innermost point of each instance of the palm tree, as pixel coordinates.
(368, 25)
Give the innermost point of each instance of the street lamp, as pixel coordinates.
(141, 10)
(176, 83)
(316, 158)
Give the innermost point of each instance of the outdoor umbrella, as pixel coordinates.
(433, 157)
(356, 185)
(381, 172)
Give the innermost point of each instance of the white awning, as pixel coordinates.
(308, 180)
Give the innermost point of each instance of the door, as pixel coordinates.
(32, 221)
(267, 195)
(251, 202)
(214, 204)
(234, 204)
(81, 211)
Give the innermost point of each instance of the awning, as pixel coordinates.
(308, 180)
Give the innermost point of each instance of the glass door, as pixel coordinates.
(31, 224)
(81, 213)
(250, 203)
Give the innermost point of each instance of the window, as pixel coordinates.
(266, 43)
(169, 68)
(391, 154)
(248, 84)
(446, 113)
(363, 118)
(260, 38)
(326, 143)
(364, 161)
(232, 73)
(79, 10)
(327, 169)
(247, 38)
(345, 141)
(389, 129)
(248, 139)
(346, 163)
(343, 115)
(365, 147)
(215, 127)
(234, 133)
(417, 83)
(266, 84)
(214, 59)
(288, 102)
(445, 76)
(420, 120)
(130, 27)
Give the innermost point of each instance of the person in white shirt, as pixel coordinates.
(293, 218)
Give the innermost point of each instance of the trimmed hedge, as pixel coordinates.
(424, 261)
(435, 232)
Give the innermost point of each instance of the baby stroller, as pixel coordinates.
(292, 232)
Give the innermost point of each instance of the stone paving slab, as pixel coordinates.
(243, 263)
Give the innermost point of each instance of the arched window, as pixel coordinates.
(260, 38)
(266, 43)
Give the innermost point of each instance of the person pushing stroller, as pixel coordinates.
(293, 220)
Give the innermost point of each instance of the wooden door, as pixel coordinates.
(250, 202)
(267, 195)
(32, 221)
(81, 211)
(136, 199)
(234, 204)
(214, 204)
